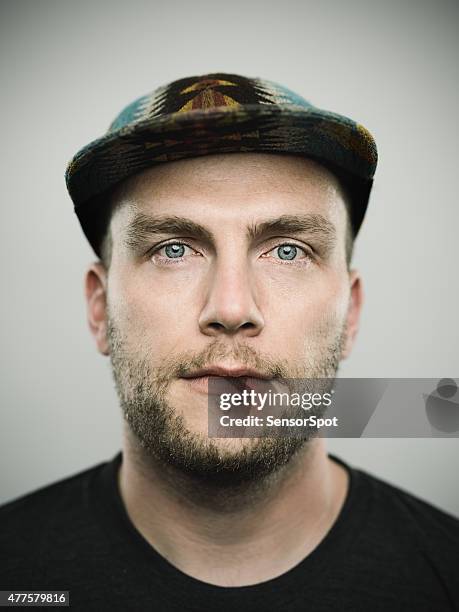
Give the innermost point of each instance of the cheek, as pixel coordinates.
(154, 312)
(307, 309)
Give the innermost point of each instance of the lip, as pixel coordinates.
(236, 371)
(199, 379)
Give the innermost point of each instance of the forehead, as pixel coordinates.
(231, 188)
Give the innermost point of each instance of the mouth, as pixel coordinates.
(216, 379)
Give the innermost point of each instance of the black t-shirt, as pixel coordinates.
(387, 551)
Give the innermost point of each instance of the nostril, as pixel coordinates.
(217, 326)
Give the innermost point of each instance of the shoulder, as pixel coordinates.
(412, 513)
(29, 522)
(40, 499)
(419, 541)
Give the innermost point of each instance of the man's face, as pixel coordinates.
(231, 262)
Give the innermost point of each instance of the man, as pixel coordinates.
(223, 210)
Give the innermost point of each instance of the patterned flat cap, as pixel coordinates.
(217, 113)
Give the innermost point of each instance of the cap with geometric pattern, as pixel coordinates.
(217, 113)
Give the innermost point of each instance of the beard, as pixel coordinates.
(161, 433)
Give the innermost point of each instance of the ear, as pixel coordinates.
(353, 313)
(96, 299)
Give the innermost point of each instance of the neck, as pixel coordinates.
(234, 536)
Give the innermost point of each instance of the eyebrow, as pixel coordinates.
(142, 228)
(312, 224)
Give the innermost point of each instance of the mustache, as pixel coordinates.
(186, 362)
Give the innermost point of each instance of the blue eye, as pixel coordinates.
(174, 250)
(286, 251)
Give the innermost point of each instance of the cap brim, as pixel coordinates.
(335, 140)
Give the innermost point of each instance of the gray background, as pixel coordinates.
(66, 70)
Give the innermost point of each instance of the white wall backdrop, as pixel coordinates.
(67, 68)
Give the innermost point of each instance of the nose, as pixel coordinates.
(231, 307)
